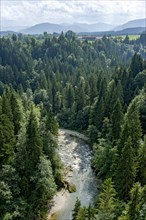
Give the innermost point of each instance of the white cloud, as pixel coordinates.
(26, 12)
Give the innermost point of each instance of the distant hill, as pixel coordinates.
(127, 31)
(41, 28)
(77, 27)
(132, 24)
(4, 33)
(13, 28)
(131, 27)
(137, 30)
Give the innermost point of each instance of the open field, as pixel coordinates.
(91, 38)
(131, 37)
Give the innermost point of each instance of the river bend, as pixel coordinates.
(76, 155)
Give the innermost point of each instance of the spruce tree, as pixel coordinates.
(29, 151)
(142, 163)
(33, 141)
(7, 137)
(7, 140)
(131, 127)
(91, 212)
(76, 209)
(100, 114)
(136, 65)
(45, 185)
(116, 119)
(97, 113)
(69, 96)
(81, 214)
(16, 106)
(126, 170)
(51, 123)
(117, 94)
(135, 199)
(6, 104)
(107, 203)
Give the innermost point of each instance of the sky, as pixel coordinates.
(31, 12)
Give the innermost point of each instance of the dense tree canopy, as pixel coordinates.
(98, 88)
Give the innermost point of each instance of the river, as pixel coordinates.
(76, 155)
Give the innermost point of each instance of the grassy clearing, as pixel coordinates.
(131, 37)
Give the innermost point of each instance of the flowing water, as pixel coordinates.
(75, 154)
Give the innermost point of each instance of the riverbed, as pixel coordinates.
(75, 154)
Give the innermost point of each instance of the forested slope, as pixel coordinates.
(98, 88)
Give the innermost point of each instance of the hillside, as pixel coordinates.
(131, 27)
(76, 27)
(4, 33)
(41, 28)
(132, 24)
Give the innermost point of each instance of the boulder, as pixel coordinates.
(71, 187)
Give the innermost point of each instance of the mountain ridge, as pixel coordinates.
(76, 27)
(83, 27)
(132, 24)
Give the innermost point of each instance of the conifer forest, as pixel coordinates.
(96, 88)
